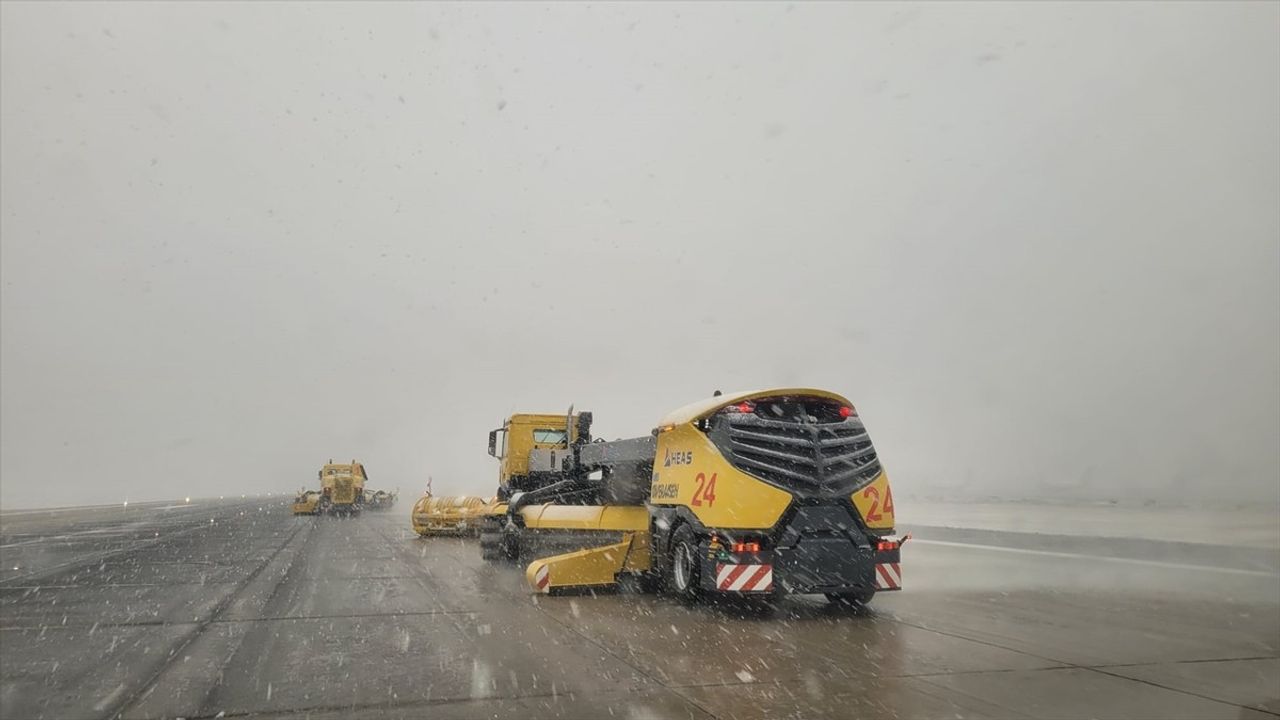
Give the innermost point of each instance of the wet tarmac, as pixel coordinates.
(237, 609)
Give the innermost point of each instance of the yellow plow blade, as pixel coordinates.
(593, 567)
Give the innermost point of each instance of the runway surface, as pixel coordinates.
(234, 608)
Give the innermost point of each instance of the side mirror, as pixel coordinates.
(493, 443)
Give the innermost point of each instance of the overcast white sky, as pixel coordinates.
(1039, 245)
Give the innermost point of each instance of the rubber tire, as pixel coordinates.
(857, 598)
(509, 545)
(490, 546)
(684, 574)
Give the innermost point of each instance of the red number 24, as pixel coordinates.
(873, 515)
(706, 489)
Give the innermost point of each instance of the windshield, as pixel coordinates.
(708, 360)
(549, 436)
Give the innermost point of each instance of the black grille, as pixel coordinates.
(819, 458)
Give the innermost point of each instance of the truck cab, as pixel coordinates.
(532, 448)
(342, 486)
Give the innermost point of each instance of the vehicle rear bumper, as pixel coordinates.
(818, 568)
(821, 550)
(837, 567)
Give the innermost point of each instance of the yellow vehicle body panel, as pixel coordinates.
(586, 517)
(689, 470)
(591, 567)
(875, 504)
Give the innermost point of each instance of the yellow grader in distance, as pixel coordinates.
(757, 493)
(307, 502)
(448, 515)
(341, 491)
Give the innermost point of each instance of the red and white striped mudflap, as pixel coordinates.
(888, 576)
(542, 579)
(744, 578)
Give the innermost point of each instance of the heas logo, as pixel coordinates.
(679, 457)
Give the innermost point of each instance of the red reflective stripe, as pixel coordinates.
(885, 577)
(757, 577)
(733, 575)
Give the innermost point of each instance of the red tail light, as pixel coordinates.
(742, 407)
(746, 547)
(846, 411)
(886, 545)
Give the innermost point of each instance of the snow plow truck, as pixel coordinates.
(763, 493)
(342, 487)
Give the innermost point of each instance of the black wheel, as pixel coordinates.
(498, 543)
(510, 543)
(490, 546)
(490, 532)
(684, 567)
(856, 598)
